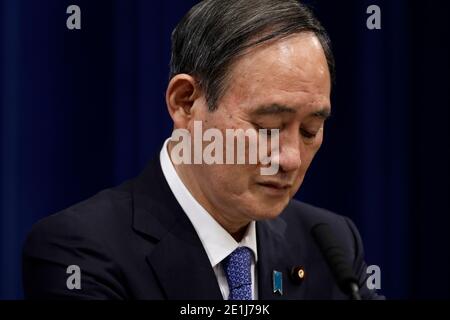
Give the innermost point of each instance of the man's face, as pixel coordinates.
(283, 85)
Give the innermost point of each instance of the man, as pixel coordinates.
(214, 231)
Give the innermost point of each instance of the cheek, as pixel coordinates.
(230, 180)
(308, 153)
(311, 150)
(308, 157)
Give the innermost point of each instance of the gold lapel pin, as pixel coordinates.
(298, 274)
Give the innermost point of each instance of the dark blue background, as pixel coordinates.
(84, 110)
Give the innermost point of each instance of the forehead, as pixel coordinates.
(293, 70)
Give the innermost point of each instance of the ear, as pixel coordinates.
(181, 94)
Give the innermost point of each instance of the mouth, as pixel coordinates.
(275, 187)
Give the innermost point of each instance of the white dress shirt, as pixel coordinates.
(218, 243)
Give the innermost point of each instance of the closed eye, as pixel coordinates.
(307, 134)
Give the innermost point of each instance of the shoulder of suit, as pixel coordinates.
(301, 210)
(96, 217)
(304, 215)
(301, 217)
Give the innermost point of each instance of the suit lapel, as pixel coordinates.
(178, 259)
(278, 253)
(182, 266)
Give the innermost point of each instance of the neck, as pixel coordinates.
(235, 228)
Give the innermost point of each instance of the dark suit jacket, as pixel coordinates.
(135, 242)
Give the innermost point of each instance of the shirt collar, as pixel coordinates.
(218, 243)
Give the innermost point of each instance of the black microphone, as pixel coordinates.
(335, 257)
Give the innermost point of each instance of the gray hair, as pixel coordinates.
(214, 33)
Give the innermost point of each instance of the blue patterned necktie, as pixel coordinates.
(237, 270)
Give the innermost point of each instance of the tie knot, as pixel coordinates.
(237, 267)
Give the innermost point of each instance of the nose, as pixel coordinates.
(289, 156)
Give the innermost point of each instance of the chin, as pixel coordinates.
(269, 209)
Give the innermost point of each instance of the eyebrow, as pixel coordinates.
(324, 113)
(272, 109)
(275, 109)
